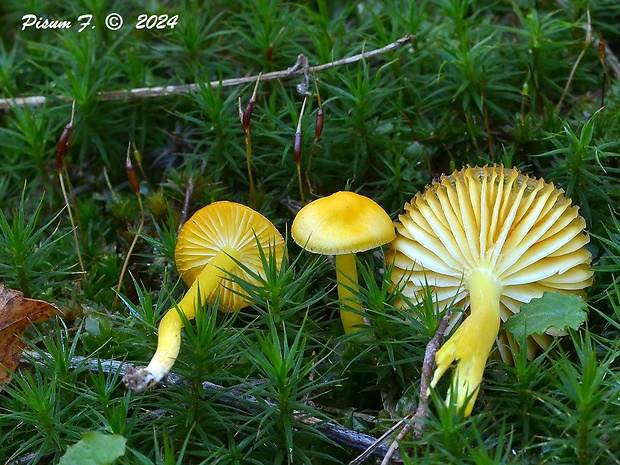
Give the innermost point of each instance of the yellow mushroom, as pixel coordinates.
(209, 248)
(343, 224)
(488, 239)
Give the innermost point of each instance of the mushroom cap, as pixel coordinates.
(521, 229)
(342, 223)
(233, 226)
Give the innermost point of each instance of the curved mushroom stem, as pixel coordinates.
(472, 342)
(169, 332)
(346, 277)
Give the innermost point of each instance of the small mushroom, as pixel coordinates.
(209, 249)
(488, 240)
(343, 224)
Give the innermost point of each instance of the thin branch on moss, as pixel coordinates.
(148, 92)
(418, 417)
(421, 413)
(226, 396)
(374, 447)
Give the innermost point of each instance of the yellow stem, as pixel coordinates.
(346, 277)
(472, 342)
(169, 333)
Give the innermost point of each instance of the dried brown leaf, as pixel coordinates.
(17, 313)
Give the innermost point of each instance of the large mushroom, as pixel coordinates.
(343, 224)
(488, 240)
(210, 247)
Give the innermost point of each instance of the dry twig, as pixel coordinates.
(148, 92)
(421, 414)
(220, 394)
(418, 417)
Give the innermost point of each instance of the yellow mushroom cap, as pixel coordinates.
(342, 223)
(524, 231)
(227, 226)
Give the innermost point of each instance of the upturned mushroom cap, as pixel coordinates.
(523, 231)
(230, 227)
(211, 248)
(342, 223)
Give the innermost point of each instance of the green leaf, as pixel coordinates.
(552, 310)
(95, 449)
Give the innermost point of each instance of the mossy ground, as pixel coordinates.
(522, 83)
